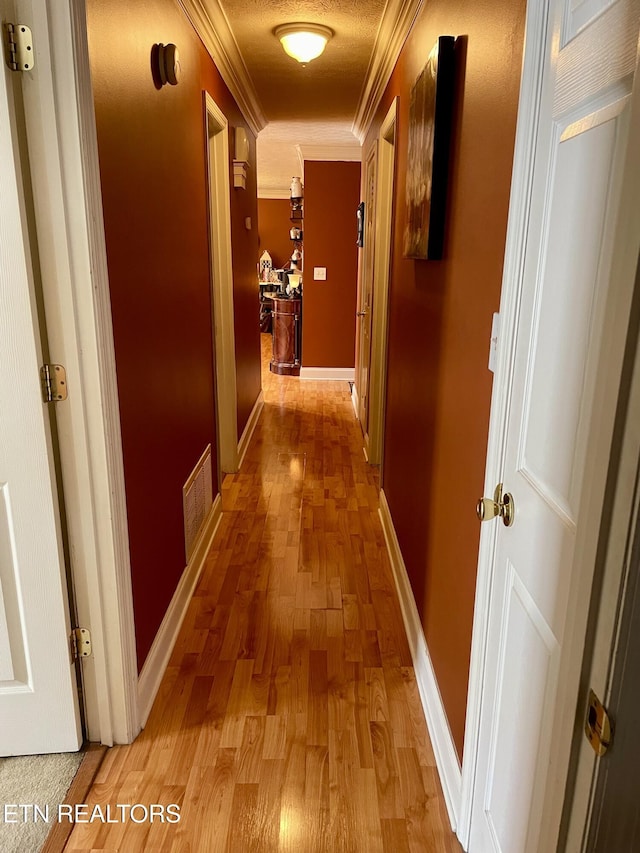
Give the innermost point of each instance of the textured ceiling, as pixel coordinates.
(282, 145)
(328, 87)
(304, 105)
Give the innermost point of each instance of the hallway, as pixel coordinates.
(289, 717)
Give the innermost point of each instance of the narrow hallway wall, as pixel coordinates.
(331, 196)
(439, 386)
(153, 169)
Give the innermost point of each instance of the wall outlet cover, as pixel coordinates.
(319, 273)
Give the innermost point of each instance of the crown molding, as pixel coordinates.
(212, 26)
(344, 152)
(395, 25)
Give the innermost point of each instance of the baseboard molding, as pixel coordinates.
(158, 658)
(247, 433)
(348, 374)
(437, 723)
(355, 401)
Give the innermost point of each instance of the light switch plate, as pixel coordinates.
(319, 273)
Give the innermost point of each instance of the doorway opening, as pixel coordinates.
(372, 315)
(222, 288)
(381, 270)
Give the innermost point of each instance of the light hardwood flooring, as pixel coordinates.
(289, 717)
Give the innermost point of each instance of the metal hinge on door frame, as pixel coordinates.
(53, 378)
(19, 47)
(80, 641)
(597, 725)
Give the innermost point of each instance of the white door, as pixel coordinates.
(365, 301)
(38, 695)
(544, 561)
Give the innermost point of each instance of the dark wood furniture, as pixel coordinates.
(286, 336)
(267, 289)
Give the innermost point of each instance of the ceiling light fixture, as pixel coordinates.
(303, 42)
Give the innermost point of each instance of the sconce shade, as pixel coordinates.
(303, 42)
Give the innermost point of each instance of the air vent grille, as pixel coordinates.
(197, 498)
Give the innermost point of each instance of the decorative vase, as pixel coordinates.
(296, 189)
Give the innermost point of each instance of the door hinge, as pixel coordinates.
(597, 725)
(80, 643)
(19, 47)
(53, 378)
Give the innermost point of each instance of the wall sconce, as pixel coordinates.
(165, 65)
(303, 42)
(241, 158)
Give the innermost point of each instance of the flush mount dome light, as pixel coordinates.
(303, 42)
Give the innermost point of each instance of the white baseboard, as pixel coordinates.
(243, 444)
(355, 400)
(348, 374)
(437, 723)
(158, 658)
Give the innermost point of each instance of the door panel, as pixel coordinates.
(564, 309)
(13, 662)
(566, 289)
(38, 694)
(526, 637)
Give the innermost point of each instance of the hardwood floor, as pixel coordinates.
(289, 717)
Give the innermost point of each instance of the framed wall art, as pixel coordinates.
(430, 113)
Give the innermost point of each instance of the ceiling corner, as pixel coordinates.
(267, 191)
(330, 152)
(212, 26)
(397, 20)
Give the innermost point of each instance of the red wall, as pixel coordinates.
(273, 229)
(331, 196)
(152, 163)
(439, 387)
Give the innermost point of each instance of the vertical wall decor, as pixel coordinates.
(430, 111)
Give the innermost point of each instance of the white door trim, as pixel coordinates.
(608, 602)
(68, 206)
(610, 364)
(381, 273)
(364, 313)
(222, 284)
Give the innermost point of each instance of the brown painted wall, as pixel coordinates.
(439, 387)
(152, 163)
(331, 196)
(273, 229)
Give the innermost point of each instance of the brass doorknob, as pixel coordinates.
(501, 505)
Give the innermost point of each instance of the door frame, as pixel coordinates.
(385, 191)
(615, 573)
(366, 274)
(68, 208)
(221, 268)
(610, 366)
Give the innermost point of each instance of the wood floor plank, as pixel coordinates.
(289, 717)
